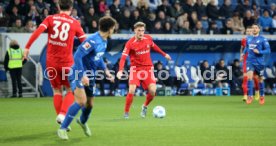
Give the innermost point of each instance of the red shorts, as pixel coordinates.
(145, 76)
(57, 74)
(244, 63)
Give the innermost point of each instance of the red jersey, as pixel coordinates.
(243, 42)
(62, 29)
(139, 52)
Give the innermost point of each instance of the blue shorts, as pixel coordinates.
(76, 83)
(257, 68)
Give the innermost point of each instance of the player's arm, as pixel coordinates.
(123, 60)
(245, 50)
(80, 33)
(42, 27)
(106, 70)
(243, 45)
(125, 54)
(82, 51)
(241, 53)
(241, 50)
(158, 50)
(266, 47)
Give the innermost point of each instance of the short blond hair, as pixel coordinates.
(139, 24)
(13, 42)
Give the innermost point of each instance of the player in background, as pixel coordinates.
(61, 29)
(257, 48)
(88, 58)
(141, 69)
(248, 32)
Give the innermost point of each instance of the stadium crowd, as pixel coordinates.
(160, 16)
(187, 76)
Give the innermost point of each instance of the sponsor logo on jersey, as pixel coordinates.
(252, 46)
(57, 43)
(86, 46)
(98, 56)
(142, 52)
(93, 42)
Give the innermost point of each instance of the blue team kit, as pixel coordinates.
(87, 59)
(256, 62)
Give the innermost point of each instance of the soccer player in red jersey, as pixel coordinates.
(248, 32)
(141, 70)
(61, 29)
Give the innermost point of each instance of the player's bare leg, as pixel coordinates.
(129, 99)
(250, 87)
(149, 98)
(86, 110)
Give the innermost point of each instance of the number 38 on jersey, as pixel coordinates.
(61, 30)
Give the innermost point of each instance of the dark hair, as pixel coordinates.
(250, 26)
(106, 22)
(65, 4)
(236, 60)
(256, 25)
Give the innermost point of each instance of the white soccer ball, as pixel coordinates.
(159, 112)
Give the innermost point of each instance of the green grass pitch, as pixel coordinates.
(190, 121)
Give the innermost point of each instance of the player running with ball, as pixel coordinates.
(141, 70)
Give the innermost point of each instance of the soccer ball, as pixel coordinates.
(159, 112)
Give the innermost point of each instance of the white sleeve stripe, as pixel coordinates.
(125, 54)
(44, 25)
(82, 36)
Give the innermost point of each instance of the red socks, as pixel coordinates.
(244, 85)
(129, 99)
(68, 100)
(149, 98)
(256, 83)
(57, 102)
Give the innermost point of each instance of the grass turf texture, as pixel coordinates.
(191, 121)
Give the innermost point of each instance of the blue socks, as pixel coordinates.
(72, 112)
(250, 88)
(262, 86)
(85, 114)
